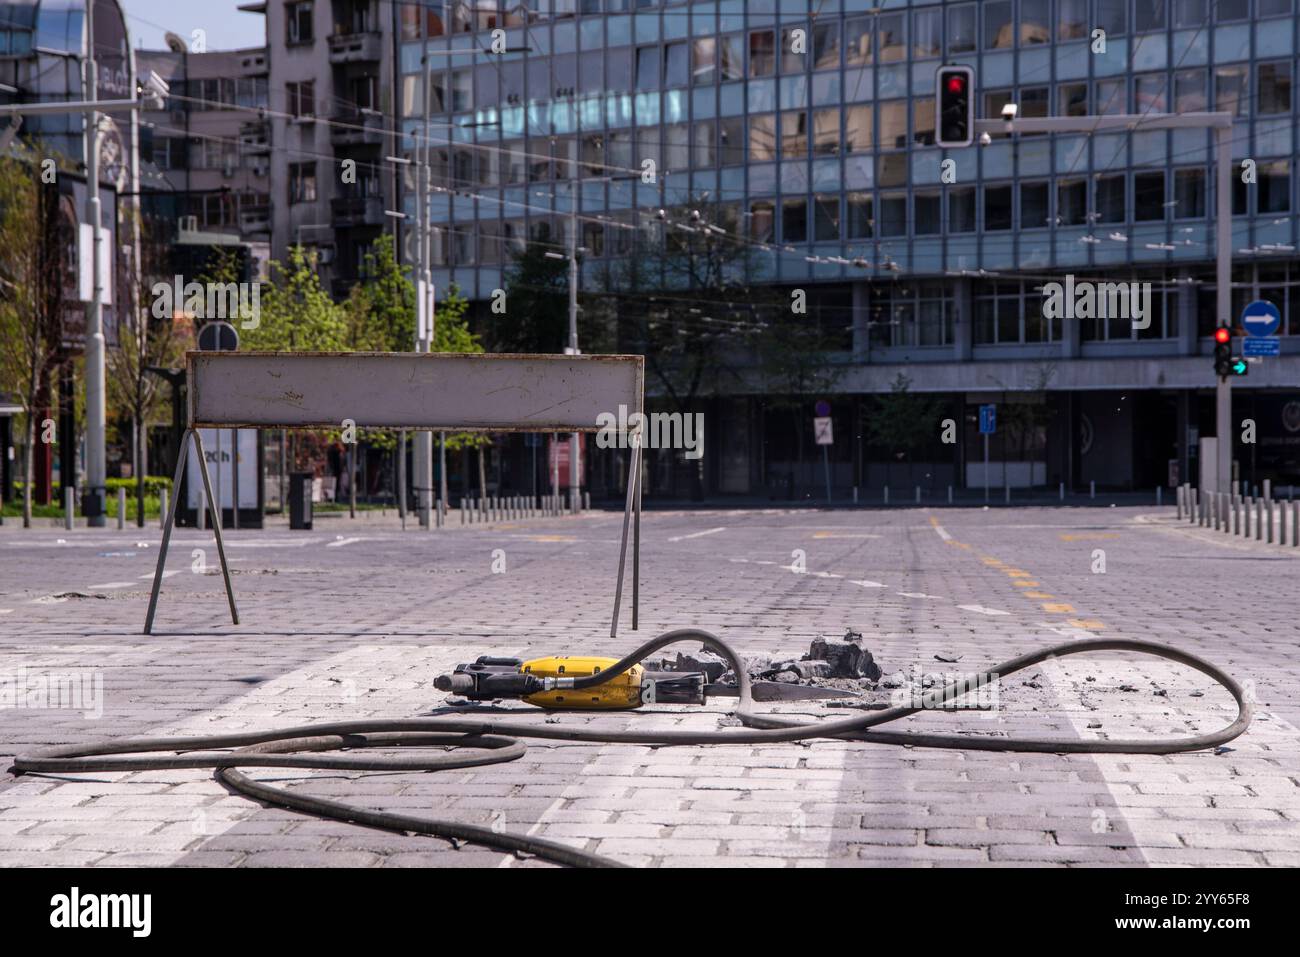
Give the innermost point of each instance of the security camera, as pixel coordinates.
(1009, 112)
(155, 90)
(985, 139)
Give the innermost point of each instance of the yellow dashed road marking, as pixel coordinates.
(1025, 583)
(1017, 573)
(1038, 594)
(1058, 608)
(1092, 624)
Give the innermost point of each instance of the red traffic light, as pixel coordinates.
(1222, 335)
(956, 83)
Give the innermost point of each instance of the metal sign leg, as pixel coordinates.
(636, 549)
(634, 469)
(167, 530)
(216, 525)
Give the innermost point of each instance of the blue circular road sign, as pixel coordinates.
(1261, 318)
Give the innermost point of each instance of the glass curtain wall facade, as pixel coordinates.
(810, 126)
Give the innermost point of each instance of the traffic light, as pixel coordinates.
(1225, 364)
(954, 106)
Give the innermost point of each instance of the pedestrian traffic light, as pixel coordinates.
(1225, 364)
(954, 106)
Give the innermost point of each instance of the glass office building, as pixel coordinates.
(810, 127)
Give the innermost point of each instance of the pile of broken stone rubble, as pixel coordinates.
(844, 664)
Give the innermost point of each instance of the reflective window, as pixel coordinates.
(961, 209)
(1230, 89)
(794, 134)
(1071, 19)
(962, 27)
(826, 132)
(676, 65)
(826, 217)
(857, 41)
(927, 30)
(998, 33)
(857, 129)
(1189, 91)
(1071, 202)
(860, 219)
(1274, 81)
(1110, 193)
(762, 53)
(704, 61)
(1149, 195)
(794, 220)
(762, 138)
(1148, 15)
(794, 47)
(1034, 208)
(891, 37)
(826, 46)
(997, 207)
(1189, 193)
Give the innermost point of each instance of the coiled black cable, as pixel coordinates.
(481, 742)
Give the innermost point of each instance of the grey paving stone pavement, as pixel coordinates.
(355, 619)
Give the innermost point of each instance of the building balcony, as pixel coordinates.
(255, 137)
(351, 211)
(255, 219)
(356, 47)
(357, 128)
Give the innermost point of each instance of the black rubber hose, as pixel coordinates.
(493, 742)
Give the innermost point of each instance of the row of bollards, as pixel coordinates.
(511, 507)
(1250, 516)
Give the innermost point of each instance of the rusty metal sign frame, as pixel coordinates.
(480, 392)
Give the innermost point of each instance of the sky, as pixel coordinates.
(226, 27)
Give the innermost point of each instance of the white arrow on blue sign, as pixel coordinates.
(988, 419)
(1261, 318)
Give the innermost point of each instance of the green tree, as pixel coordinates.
(900, 421)
(536, 317)
(297, 313)
(381, 310)
(31, 302)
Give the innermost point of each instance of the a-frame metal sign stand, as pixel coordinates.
(434, 391)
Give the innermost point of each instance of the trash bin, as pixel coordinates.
(300, 485)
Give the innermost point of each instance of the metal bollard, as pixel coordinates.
(462, 510)
(886, 494)
(1092, 488)
(1007, 489)
(949, 494)
(121, 508)
(162, 507)
(1259, 519)
(1061, 493)
(1178, 502)
(855, 495)
(1160, 496)
(1295, 524)
(69, 505)
(1269, 508)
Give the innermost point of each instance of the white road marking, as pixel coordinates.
(707, 531)
(6, 611)
(980, 609)
(174, 571)
(916, 594)
(110, 586)
(343, 541)
(942, 532)
(865, 583)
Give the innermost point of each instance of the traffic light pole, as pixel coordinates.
(1221, 123)
(1223, 298)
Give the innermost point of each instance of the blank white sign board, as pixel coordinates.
(456, 392)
